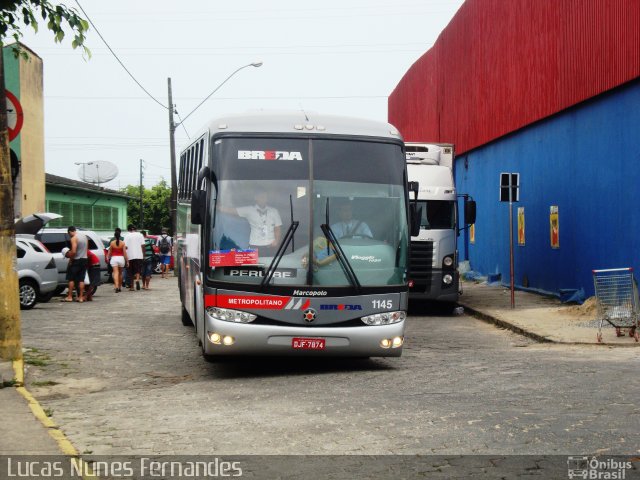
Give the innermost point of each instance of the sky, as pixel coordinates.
(332, 57)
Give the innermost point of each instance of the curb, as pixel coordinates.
(506, 325)
(534, 336)
(64, 444)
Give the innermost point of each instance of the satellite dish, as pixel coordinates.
(97, 172)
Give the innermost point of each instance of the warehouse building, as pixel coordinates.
(549, 90)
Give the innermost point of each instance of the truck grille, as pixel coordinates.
(421, 265)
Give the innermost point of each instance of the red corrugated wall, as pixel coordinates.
(502, 64)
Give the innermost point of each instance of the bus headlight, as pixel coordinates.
(447, 261)
(386, 318)
(447, 279)
(229, 315)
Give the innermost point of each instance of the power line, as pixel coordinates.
(244, 47)
(260, 54)
(116, 57)
(304, 97)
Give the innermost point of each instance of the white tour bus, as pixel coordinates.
(293, 236)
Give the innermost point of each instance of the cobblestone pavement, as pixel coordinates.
(121, 375)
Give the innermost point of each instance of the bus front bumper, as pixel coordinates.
(256, 339)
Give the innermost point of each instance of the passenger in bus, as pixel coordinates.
(348, 227)
(265, 223)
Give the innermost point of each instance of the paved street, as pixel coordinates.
(121, 375)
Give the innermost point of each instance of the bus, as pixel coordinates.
(293, 236)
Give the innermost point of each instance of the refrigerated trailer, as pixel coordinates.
(433, 264)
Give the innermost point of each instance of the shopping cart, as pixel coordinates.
(617, 300)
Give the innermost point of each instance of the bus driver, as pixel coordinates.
(348, 227)
(265, 223)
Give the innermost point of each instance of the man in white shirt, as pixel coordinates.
(348, 227)
(134, 241)
(265, 223)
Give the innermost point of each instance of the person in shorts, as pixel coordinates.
(149, 256)
(117, 258)
(94, 275)
(77, 268)
(165, 243)
(134, 242)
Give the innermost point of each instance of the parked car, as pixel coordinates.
(55, 239)
(158, 266)
(37, 272)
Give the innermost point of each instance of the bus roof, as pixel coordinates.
(297, 122)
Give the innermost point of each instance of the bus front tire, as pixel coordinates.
(186, 320)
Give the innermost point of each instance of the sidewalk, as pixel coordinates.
(21, 433)
(542, 318)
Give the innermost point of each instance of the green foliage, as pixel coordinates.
(14, 14)
(156, 206)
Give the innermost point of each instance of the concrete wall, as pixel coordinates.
(586, 161)
(23, 78)
(32, 135)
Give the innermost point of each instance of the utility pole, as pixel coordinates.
(141, 202)
(174, 181)
(10, 339)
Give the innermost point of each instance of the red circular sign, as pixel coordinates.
(15, 115)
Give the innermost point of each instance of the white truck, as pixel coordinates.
(433, 261)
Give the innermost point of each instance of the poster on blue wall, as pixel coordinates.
(554, 225)
(521, 226)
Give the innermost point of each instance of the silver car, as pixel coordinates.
(55, 239)
(37, 272)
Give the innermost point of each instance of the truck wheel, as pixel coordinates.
(28, 294)
(448, 308)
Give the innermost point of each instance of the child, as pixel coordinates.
(322, 252)
(94, 275)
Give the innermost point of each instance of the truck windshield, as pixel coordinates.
(355, 187)
(437, 214)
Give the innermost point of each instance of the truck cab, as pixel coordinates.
(433, 264)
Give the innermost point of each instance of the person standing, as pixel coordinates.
(165, 246)
(117, 257)
(77, 268)
(147, 267)
(134, 242)
(93, 264)
(265, 223)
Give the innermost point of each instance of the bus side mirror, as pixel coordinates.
(415, 214)
(198, 203)
(469, 212)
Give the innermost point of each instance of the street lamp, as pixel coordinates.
(172, 141)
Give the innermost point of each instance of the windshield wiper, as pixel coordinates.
(279, 253)
(342, 258)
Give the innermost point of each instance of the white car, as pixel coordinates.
(37, 272)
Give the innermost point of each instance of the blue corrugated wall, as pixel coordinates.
(585, 160)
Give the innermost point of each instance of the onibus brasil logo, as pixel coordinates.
(594, 468)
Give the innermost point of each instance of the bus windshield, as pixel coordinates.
(266, 185)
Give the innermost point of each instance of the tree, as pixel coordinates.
(156, 206)
(14, 16)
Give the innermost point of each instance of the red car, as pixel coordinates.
(156, 250)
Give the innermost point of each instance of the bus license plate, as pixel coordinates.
(308, 343)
